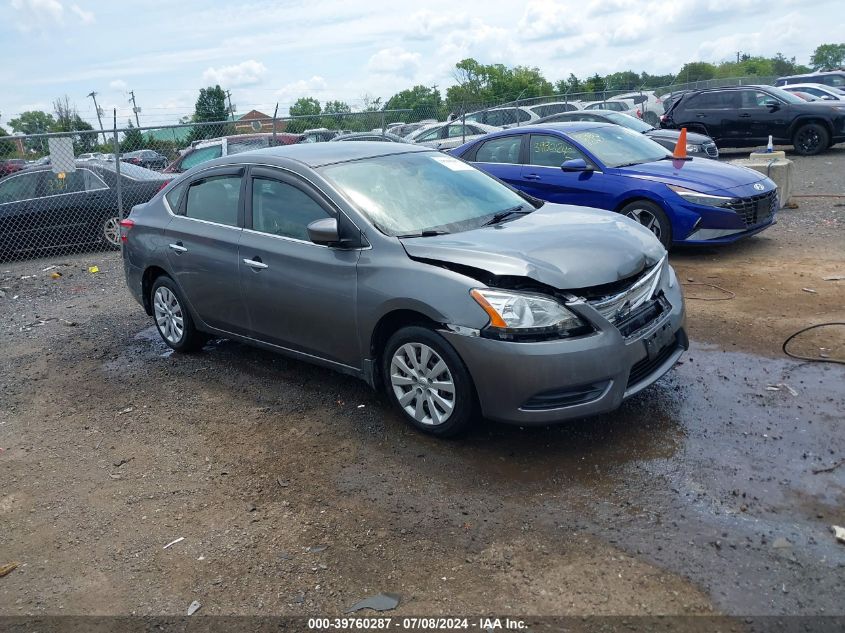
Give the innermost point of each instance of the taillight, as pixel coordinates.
(125, 225)
(163, 185)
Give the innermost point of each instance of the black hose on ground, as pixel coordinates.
(838, 361)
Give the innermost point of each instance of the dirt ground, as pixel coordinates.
(298, 491)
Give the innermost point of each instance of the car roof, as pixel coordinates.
(814, 74)
(808, 84)
(743, 87)
(567, 127)
(319, 154)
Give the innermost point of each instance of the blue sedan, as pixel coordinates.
(691, 201)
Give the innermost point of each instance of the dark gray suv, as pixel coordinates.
(414, 271)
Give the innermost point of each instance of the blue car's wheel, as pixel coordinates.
(651, 217)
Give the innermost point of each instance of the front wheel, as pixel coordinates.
(651, 217)
(810, 139)
(428, 382)
(172, 318)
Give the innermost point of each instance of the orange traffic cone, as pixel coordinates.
(681, 146)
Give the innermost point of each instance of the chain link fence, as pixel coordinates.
(66, 192)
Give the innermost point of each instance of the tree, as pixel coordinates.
(336, 107)
(308, 108)
(479, 85)
(7, 148)
(828, 57)
(696, 71)
(422, 101)
(68, 120)
(132, 139)
(32, 122)
(595, 84)
(624, 80)
(783, 66)
(570, 85)
(210, 106)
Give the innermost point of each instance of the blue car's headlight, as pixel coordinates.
(696, 197)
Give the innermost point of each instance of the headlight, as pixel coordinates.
(692, 149)
(696, 197)
(518, 315)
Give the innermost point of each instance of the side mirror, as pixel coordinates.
(772, 105)
(576, 164)
(324, 231)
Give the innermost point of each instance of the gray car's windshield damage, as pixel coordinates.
(424, 193)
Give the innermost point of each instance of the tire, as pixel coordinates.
(652, 119)
(169, 308)
(810, 139)
(410, 358)
(652, 217)
(110, 232)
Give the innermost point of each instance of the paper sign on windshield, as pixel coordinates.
(62, 159)
(452, 163)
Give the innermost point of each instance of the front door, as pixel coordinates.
(299, 295)
(762, 115)
(202, 247)
(543, 177)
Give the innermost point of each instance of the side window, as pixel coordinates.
(837, 81)
(174, 196)
(236, 146)
(18, 188)
(54, 184)
(754, 99)
(202, 155)
(551, 151)
(214, 199)
(92, 181)
(456, 131)
(523, 115)
(431, 135)
(282, 209)
(500, 150)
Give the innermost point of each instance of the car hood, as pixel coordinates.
(699, 174)
(563, 246)
(672, 135)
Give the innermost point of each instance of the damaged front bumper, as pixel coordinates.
(552, 381)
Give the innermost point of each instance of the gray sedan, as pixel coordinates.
(697, 144)
(415, 272)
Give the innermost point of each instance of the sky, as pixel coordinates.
(268, 52)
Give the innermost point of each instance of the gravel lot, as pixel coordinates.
(298, 491)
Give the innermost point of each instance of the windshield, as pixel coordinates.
(616, 146)
(408, 194)
(629, 122)
(785, 95)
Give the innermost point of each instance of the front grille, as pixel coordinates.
(756, 209)
(565, 398)
(712, 150)
(644, 368)
(635, 300)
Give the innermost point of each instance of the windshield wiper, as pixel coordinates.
(501, 215)
(426, 233)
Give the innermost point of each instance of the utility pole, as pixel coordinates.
(93, 95)
(135, 107)
(231, 109)
(737, 56)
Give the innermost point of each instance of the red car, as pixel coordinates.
(203, 151)
(11, 165)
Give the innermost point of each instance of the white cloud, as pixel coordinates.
(86, 17)
(118, 84)
(394, 61)
(314, 87)
(38, 14)
(544, 19)
(246, 73)
(426, 25)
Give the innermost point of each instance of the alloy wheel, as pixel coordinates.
(422, 384)
(168, 314)
(111, 231)
(647, 219)
(808, 139)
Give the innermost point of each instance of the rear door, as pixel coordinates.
(298, 295)
(501, 157)
(716, 113)
(202, 243)
(760, 118)
(543, 177)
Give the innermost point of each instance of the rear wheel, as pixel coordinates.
(428, 382)
(652, 119)
(172, 318)
(810, 139)
(110, 232)
(651, 217)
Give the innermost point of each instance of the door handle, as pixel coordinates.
(178, 247)
(700, 116)
(257, 264)
(745, 115)
(532, 177)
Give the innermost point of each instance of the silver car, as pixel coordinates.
(449, 135)
(417, 273)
